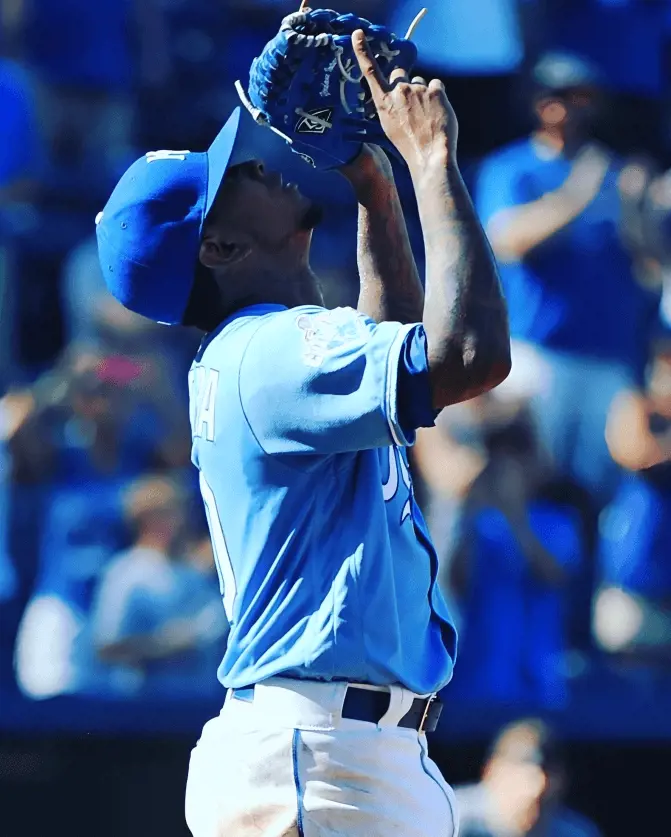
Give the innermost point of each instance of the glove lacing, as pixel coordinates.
(346, 76)
(322, 39)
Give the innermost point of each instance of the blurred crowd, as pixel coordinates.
(549, 499)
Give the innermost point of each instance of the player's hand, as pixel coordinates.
(418, 119)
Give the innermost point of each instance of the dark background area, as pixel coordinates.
(134, 787)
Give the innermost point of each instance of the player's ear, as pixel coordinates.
(216, 252)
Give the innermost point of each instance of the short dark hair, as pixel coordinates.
(205, 308)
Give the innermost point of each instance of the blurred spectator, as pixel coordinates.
(21, 152)
(86, 421)
(446, 460)
(94, 320)
(656, 221)
(8, 580)
(83, 529)
(87, 58)
(580, 321)
(518, 550)
(632, 611)
(450, 456)
(21, 164)
(158, 621)
(522, 788)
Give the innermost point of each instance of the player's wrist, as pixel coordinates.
(437, 169)
(369, 174)
(426, 163)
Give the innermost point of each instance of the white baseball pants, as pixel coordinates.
(288, 765)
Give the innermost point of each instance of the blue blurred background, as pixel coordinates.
(549, 500)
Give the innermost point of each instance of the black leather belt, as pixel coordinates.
(371, 706)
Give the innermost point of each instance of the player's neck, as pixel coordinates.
(290, 287)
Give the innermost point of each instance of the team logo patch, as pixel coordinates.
(330, 331)
(319, 125)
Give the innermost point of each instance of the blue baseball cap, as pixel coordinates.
(150, 229)
(557, 71)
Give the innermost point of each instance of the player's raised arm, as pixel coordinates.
(390, 287)
(465, 315)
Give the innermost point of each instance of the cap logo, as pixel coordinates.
(152, 156)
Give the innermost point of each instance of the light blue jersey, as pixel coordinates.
(326, 567)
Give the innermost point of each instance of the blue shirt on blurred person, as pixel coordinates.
(145, 596)
(580, 321)
(575, 292)
(20, 151)
(514, 635)
(83, 529)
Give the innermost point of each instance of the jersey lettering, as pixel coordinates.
(227, 585)
(390, 486)
(203, 385)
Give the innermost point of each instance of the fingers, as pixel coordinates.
(369, 67)
(419, 80)
(397, 75)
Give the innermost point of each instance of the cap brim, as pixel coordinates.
(219, 156)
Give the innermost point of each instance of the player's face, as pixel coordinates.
(257, 203)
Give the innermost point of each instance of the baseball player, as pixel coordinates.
(340, 638)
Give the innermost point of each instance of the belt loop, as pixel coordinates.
(400, 701)
(425, 714)
(246, 694)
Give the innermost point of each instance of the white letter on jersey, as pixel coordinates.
(405, 474)
(203, 396)
(222, 559)
(390, 487)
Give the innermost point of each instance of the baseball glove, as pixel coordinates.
(307, 87)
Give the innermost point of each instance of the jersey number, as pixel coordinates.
(391, 486)
(221, 557)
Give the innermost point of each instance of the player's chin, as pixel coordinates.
(311, 216)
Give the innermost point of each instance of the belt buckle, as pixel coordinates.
(425, 714)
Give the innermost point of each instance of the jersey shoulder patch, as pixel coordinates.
(329, 332)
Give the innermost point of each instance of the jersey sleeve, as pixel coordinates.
(323, 382)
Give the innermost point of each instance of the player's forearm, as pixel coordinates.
(516, 231)
(390, 287)
(465, 315)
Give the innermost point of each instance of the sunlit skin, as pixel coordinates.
(257, 239)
